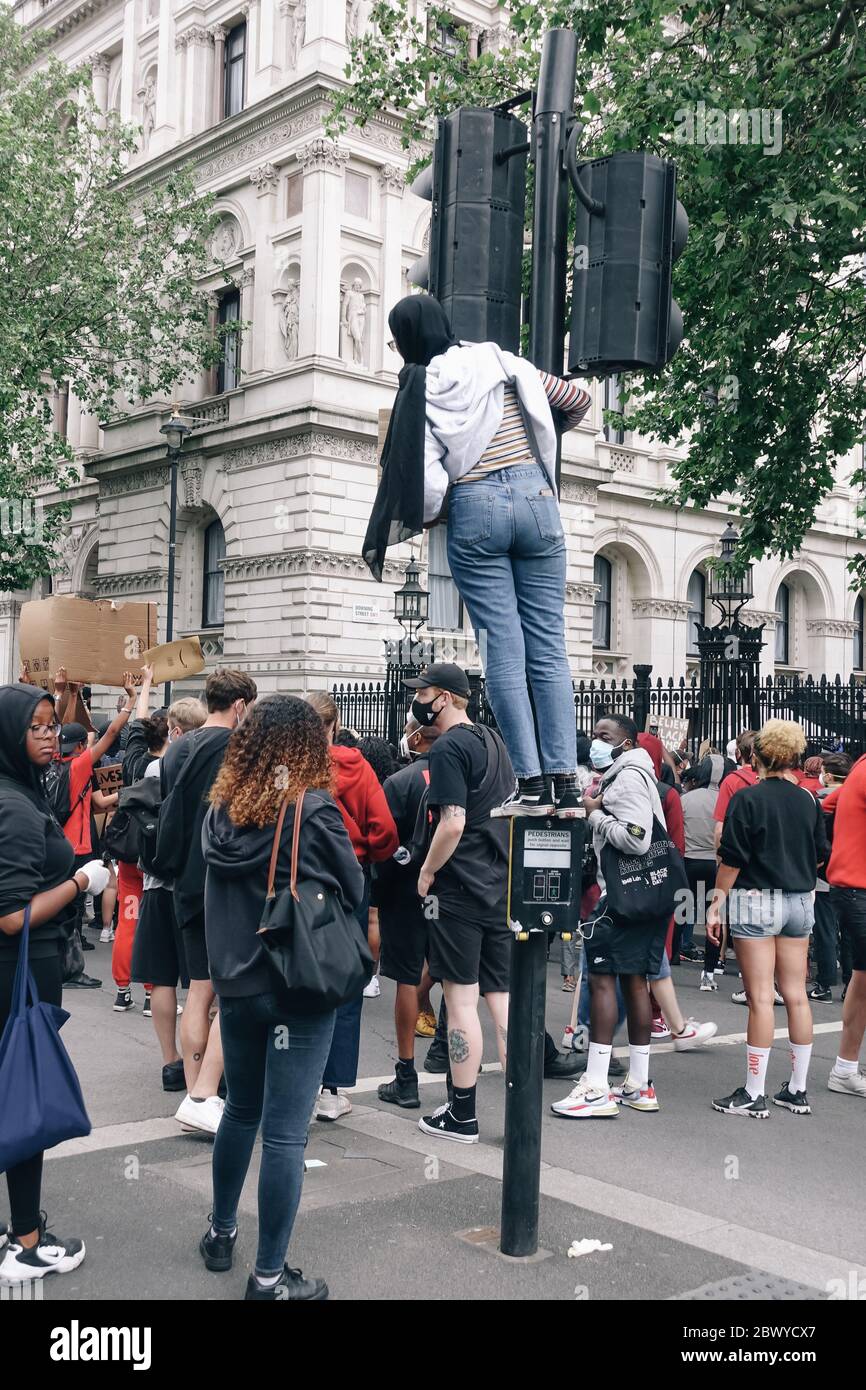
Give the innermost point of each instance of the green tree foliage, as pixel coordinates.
(768, 386)
(98, 284)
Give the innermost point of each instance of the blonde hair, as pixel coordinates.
(188, 713)
(780, 744)
(325, 707)
(458, 701)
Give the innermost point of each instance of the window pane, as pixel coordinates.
(229, 370)
(213, 579)
(858, 635)
(446, 609)
(783, 608)
(612, 401)
(697, 609)
(234, 70)
(602, 572)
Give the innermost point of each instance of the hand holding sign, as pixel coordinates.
(174, 661)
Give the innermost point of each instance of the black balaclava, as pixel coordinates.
(17, 706)
(421, 331)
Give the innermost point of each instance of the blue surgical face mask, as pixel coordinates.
(599, 754)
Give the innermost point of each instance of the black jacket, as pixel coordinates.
(208, 747)
(237, 860)
(395, 886)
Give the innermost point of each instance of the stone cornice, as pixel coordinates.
(242, 569)
(661, 608)
(831, 627)
(145, 581)
(581, 593)
(392, 179)
(142, 480)
(586, 494)
(326, 443)
(754, 617)
(10, 607)
(69, 16)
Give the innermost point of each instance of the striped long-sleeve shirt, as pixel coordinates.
(510, 447)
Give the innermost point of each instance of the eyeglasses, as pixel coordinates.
(392, 345)
(45, 730)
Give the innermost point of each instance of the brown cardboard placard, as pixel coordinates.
(173, 661)
(109, 779)
(96, 640)
(670, 729)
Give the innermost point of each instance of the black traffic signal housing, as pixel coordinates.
(477, 187)
(629, 230)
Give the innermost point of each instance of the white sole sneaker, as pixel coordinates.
(848, 1085)
(11, 1272)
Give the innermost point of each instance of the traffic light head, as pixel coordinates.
(623, 318)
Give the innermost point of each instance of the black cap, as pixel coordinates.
(445, 675)
(72, 734)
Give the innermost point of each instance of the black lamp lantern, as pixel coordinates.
(730, 586)
(410, 601)
(175, 430)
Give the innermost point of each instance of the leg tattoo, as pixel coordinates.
(458, 1045)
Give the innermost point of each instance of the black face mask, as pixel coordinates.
(425, 714)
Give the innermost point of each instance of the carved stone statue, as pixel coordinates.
(290, 319)
(354, 319)
(223, 241)
(297, 17)
(148, 111)
(353, 20)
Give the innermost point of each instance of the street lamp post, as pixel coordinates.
(730, 652)
(175, 431)
(410, 609)
(410, 604)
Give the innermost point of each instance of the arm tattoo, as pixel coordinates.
(458, 1045)
(503, 1033)
(453, 813)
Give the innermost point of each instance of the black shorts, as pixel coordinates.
(850, 907)
(404, 930)
(195, 948)
(471, 949)
(158, 956)
(615, 947)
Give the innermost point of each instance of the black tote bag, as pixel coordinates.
(315, 954)
(643, 887)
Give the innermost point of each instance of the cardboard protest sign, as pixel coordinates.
(670, 730)
(174, 660)
(109, 779)
(96, 640)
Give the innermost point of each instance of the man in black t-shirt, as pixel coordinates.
(464, 883)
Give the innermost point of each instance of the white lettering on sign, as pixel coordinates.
(547, 839)
(365, 613)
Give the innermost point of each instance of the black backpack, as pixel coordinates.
(130, 835)
(57, 783)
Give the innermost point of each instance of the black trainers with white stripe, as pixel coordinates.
(795, 1101)
(48, 1256)
(443, 1124)
(739, 1102)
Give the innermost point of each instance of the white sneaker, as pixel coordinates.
(636, 1097)
(660, 1031)
(89, 913)
(586, 1102)
(201, 1115)
(854, 1084)
(694, 1035)
(48, 1256)
(708, 981)
(372, 990)
(106, 936)
(332, 1107)
(179, 1010)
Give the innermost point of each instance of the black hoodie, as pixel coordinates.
(237, 859)
(35, 855)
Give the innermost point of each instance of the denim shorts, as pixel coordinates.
(762, 912)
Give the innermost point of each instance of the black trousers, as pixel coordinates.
(24, 1181)
(825, 940)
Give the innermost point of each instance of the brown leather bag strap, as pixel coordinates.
(275, 848)
(296, 835)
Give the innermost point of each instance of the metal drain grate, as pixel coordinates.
(753, 1288)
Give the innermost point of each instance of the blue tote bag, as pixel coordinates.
(40, 1099)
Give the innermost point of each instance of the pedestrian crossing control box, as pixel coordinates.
(545, 874)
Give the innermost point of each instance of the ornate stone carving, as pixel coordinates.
(391, 179)
(497, 38)
(242, 569)
(621, 462)
(226, 239)
(198, 34)
(353, 20)
(586, 494)
(295, 12)
(99, 64)
(218, 33)
(661, 608)
(290, 316)
(265, 178)
(191, 476)
(755, 617)
(71, 543)
(245, 277)
(321, 154)
(831, 627)
(144, 480)
(297, 446)
(10, 608)
(77, 16)
(121, 585)
(353, 321)
(148, 109)
(583, 592)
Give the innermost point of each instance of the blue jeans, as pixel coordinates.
(341, 1068)
(273, 1064)
(506, 550)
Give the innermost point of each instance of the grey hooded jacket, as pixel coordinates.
(630, 801)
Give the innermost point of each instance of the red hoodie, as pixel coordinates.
(363, 806)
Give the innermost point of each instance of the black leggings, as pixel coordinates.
(24, 1181)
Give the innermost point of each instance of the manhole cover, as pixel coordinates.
(756, 1287)
(480, 1235)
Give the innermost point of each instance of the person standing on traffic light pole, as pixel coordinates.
(475, 425)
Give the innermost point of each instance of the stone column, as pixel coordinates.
(265, 334)
(165, 126)
(198, 78)
(181, 44)
(391, 185)
(127, 63)
(323, 164)
(10, 610)
(219, 35)
(270, 57)
(253, 87)
(246, 281)
(99, 66)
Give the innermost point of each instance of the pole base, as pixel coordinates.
(487, 1238)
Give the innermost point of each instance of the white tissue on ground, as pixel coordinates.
(586, 1247)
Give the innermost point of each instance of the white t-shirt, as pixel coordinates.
(150, 881)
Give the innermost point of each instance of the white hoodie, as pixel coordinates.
(465, 390)
(631, 801)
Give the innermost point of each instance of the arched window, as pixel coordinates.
(858, 634)
(213, 577)
(602, 574)
(783, 625)
(697, 610)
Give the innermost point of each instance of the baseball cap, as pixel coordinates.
(445, 675)
(71, 735)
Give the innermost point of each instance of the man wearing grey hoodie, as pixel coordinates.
(621, 816)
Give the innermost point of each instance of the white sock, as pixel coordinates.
(843, 1067)
(638, 1065)
(756, 1070)
(801, 1055)
(597, 1065)
(267, 1281)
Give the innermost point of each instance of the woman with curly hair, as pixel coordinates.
(273, 1060)
(772, 844)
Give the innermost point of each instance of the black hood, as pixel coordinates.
(17, 704)
(234, 849)
(421, 329)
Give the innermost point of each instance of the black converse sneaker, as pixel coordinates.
(531, 797)
(795, 1101)
(443, 1124)
(216, 1250)
(569, 802)
(48, 1256)
(403, 1091)
(291, 1287)
(739, 1102)
(123, 1003)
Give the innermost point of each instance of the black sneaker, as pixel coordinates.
(222, 1089)
(795, 1101)
(739, 1102)
(291, 1287)
(82, 981)
(402, 1091)
(531, 797)
(436, 1060)
(443, 1124)
(123, 1003)
(146, 1011)
(819, 995)
(48, 1256)
(173, 1077)
(566, 794)
(217, 1250)
(85, 944)
(564, 1065)
(692, 954)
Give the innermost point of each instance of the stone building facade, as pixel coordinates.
(279, 473)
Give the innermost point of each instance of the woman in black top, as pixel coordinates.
(772, 843)
(36, 868)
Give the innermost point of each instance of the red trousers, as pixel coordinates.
(130, 886)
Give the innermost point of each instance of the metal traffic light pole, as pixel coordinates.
(521, 1173)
